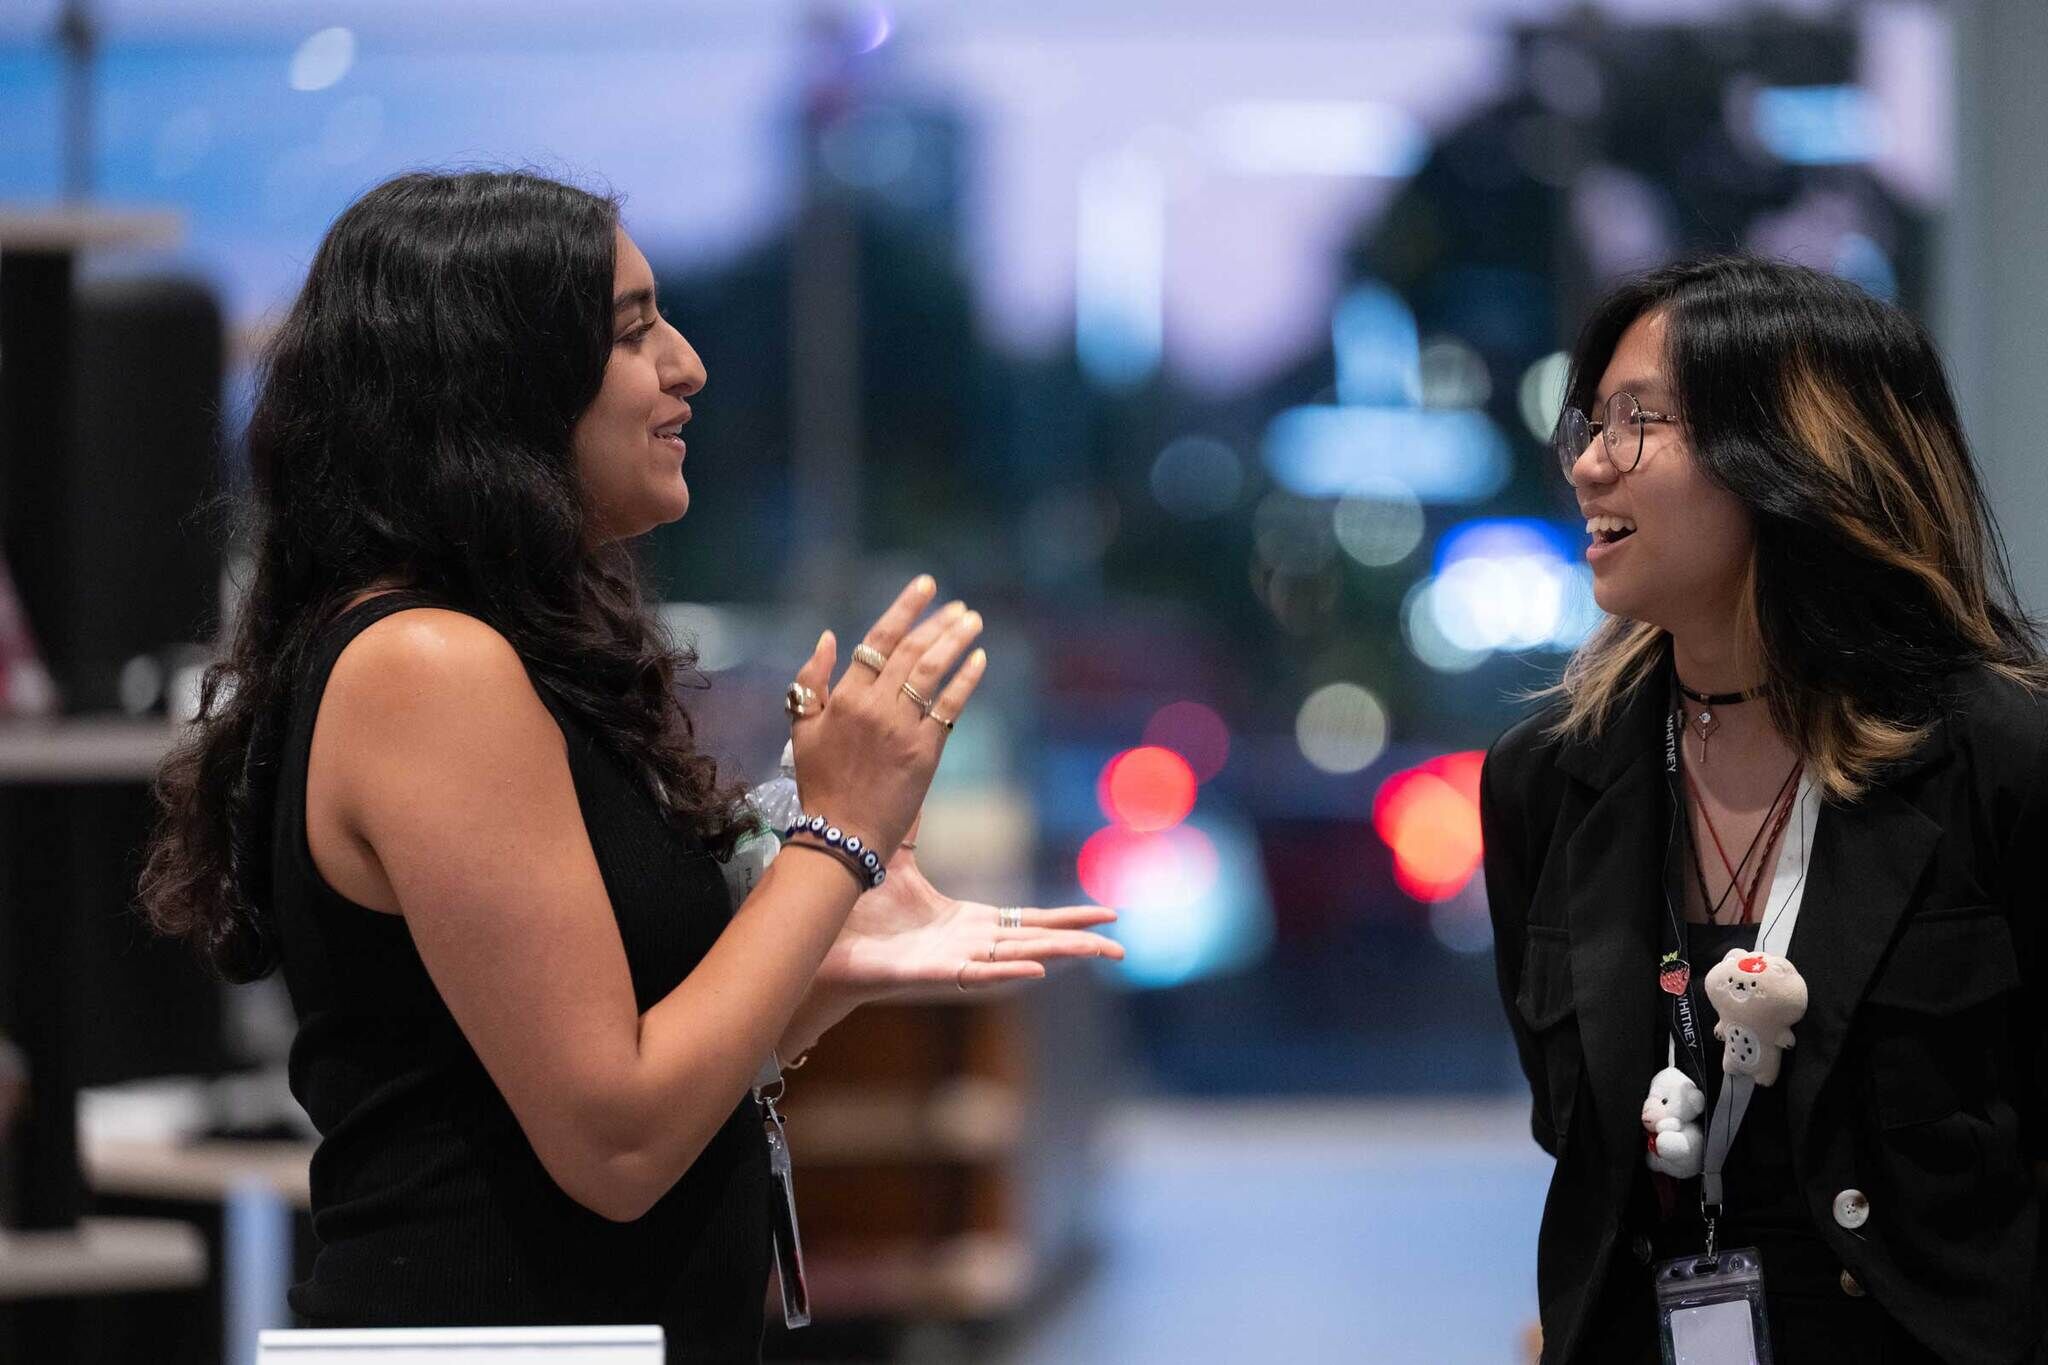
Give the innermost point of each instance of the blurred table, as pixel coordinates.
(199, 1171)
(101, 1256)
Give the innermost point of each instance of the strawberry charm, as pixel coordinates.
(1674, 974)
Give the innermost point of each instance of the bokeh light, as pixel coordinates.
(1379, 359)
(1379, 526)
(718, 635)
(1147, 789)
(323, 59)
(1508, 583)
(869, 148)
(1541, 395)
(1429, 816)
(1462, 923)
(1196, 477)
(1147, 869)
(1426, 640)
(1192, 901)
(874, 25)
(1293, 534)
(1193, 731)
(1454, 375)
(1818, 125)
(1341, 728)
(1325, 451)
(1318, 137)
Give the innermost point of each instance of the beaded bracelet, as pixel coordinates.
(866, 863)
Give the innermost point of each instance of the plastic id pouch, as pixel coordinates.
(1710, 1309)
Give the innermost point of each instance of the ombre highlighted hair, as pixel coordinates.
(1878, 572)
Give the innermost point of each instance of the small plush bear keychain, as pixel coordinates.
(1671, 1118)
(1759, 997)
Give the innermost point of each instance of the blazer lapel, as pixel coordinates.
(1614, 873)
(1614, 864)
(1867, 859)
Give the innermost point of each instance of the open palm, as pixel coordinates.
(907, 934)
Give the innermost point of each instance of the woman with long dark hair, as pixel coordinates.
(442, 778)
(1765, 869)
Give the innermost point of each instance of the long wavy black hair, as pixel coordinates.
(413, 426)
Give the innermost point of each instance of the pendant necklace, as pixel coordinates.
(1706, 722)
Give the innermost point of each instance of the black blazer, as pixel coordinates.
(1917, 1078)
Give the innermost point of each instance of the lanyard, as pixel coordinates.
(1780, 919)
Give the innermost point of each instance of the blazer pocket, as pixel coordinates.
(1946, 963)
(1546, 1005)
(1931, 1046)
(1545, 998)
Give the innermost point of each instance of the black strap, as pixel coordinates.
(1720, 698)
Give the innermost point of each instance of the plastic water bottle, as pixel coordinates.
(776, 799)
(775, 808)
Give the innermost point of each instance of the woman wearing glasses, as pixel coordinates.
(442, 779)
(1764, 867)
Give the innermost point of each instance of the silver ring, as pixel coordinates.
(1010, 917)
(923, 702)
(865, 653)
(799, 701)
(959, 977)
(992, 949)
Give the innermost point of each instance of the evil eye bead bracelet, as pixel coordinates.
(850, 848)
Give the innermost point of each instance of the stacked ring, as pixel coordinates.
(934, 715)
(1010, 917)
(865, 653)
(924, 703)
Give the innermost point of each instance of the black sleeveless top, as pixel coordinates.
(429, 1205)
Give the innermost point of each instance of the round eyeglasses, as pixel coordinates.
(1621, 429)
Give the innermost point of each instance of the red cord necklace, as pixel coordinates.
(1768, 834)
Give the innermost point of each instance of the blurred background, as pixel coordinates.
(1211, 350)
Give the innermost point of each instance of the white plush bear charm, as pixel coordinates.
(1671, 1118)
(1759, 997)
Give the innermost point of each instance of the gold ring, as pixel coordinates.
(799, 701)
(992, 949)
(865, 653)
(959, 976)
(923, 702)
(934, 715)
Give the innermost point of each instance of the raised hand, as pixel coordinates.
(866, 749)
(907, 934)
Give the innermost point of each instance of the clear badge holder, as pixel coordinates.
(1710, 1309)
(789, 1243)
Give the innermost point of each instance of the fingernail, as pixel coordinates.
(924, 582)
(956, 605)
(980, 658)
(972, 619)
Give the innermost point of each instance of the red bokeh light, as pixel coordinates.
(1193, 731)
(1147, 788)
(1125, 868)
(1429, 816)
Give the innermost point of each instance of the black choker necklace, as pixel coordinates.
(1706, 722)
(1720, 698)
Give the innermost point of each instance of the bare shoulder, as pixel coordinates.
(424, 699)
(428, 666)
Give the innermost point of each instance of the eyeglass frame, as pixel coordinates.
(1568, 452)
